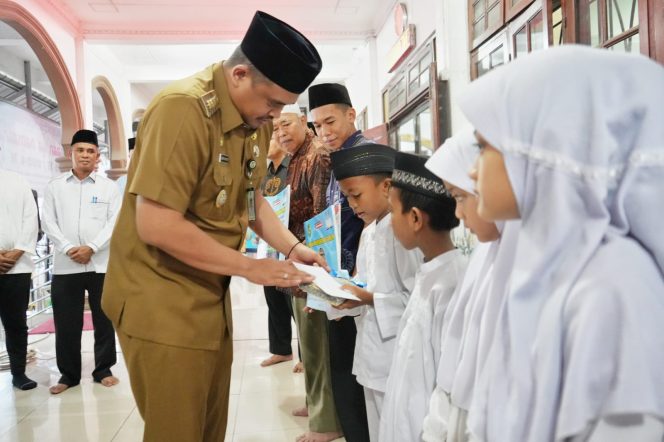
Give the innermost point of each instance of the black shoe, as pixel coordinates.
(22, 382)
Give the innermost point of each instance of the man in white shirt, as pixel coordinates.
(80, 208)
(18, 238)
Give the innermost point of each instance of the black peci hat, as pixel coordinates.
(411, 174)
(281, 53)
(85, 136)
(363, 159)
(328, 93)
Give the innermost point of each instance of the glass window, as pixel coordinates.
(497, 57)
(414, 75)
(478, 28)
(600, 21)
(494, 16)
(557, 24)
(536, 26)
(521, 42)
(486, 14)
(424, 77)
(478, 10)
(483, 66)
(425, 132)
(397, 94)
(622, 16)
(593, 16)
(406, 136)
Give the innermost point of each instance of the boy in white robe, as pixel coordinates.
(422, 217)
(364, 175)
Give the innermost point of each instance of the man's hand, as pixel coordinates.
(81, 254)
(6, 262)
(276, 273)
(305, 255)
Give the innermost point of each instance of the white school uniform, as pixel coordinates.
(579, 339)
(389, 271)
(412, 375)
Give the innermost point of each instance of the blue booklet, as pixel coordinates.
(253, 244)
(322, 233)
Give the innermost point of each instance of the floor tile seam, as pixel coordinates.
(122, 425)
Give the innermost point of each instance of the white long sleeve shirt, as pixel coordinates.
(412, 376)
(389, 271)
(80, 213)
(18, 220)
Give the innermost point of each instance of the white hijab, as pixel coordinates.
(470, 318)
(582, 134)
(452, 161)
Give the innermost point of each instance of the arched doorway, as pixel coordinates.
(47, 52)
(118, 143)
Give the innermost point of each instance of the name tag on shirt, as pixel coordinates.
(97, 200)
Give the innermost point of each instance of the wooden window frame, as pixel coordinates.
(412, 113)
(651, 29)
(487, 48)
(428, 48)
(525, 19)
(547, 8)
(475, 42)
(649, 11)
(515, 10)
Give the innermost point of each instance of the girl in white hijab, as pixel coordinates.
(572, 143)
(469, 322)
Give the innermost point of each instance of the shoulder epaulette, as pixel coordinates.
(210, 103)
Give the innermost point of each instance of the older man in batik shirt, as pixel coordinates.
(308, 175)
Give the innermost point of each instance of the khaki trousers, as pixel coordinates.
(314, 345)
(181, 393)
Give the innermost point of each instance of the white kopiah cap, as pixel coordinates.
(292, 109)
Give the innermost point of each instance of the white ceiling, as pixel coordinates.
(216, 20)
(154, 42)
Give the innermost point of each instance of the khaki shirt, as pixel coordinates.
(191, 153)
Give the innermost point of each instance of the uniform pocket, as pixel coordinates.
(222, 194)
(98, 211)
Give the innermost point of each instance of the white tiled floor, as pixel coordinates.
(261, 399)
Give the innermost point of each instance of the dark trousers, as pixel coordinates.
(68, 297)
(280, 310)
(14, 296)
(348, 393)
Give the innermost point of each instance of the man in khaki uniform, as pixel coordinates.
(199, 157)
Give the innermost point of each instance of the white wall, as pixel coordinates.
(362, 82)
(99, 61)
(452, 54)
(141, 96)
